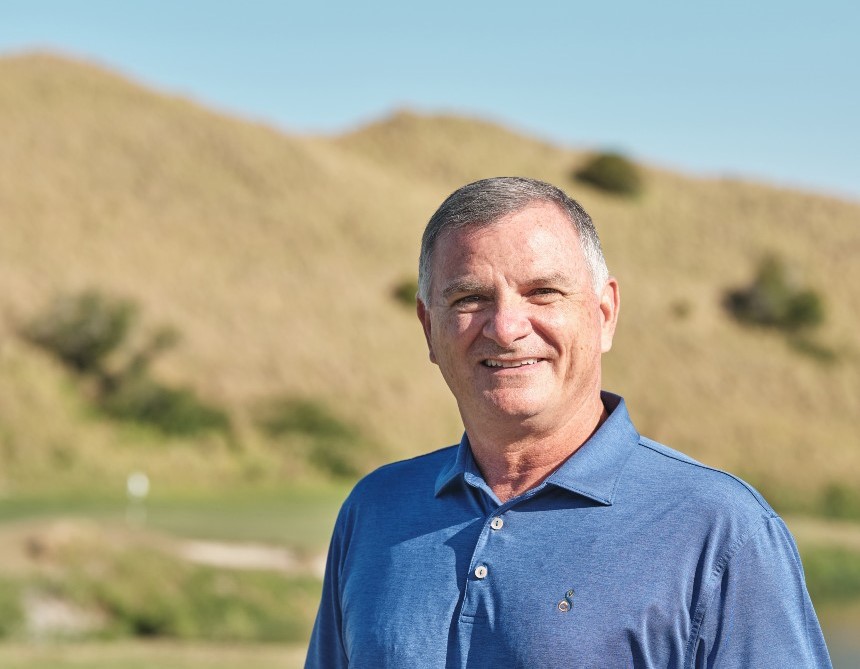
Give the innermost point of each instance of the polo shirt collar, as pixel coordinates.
(592, 471)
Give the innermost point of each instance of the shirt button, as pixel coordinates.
(480, 572)
(497, 523)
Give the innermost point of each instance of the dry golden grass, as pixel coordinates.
(148, 654)
(275, 256)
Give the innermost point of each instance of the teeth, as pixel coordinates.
(512, 363)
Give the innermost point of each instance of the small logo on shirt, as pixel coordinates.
(566, 604)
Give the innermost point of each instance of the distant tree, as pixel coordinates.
(331, 444)
(773, 299)
(611, 172)
(82, 329)
(173, 411)
(405, 292)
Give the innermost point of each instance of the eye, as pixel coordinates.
(469, 302)
(468, 299)
(545, 295)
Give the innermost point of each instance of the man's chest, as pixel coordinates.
(575, 588)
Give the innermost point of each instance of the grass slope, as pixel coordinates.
(275, 256)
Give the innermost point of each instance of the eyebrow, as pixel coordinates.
(551, 279)
(467, 285)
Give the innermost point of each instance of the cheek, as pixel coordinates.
(572, 330)
(458, 330)
(556, 327)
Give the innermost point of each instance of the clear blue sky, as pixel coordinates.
(765, 89)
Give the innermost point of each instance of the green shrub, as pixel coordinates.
(337, 457)
(611, 172)
(82, 330)
(840, 501)
(804, 309)
(774, 300)
(159, 341)
(802, 343)
(832, 573)
(681, 309)
(331, 445)
(147, 593)
(11, 613)
(405, 292)
(304, 416)
(173, 411)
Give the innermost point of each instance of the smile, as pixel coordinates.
(507, 364)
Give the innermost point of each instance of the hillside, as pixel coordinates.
(275, 256)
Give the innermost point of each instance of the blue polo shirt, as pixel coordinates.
(629, 555)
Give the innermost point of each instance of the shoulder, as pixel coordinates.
(690, 479)
(718, 507)
(383, 498)
(701, 481)
(415, 477)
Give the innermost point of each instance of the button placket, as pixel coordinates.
(479, 586)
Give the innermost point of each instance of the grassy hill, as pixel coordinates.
(275, 256)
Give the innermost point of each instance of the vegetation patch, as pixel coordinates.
(173, 411)
(613, 173)
(404, 292)
(776, 299)
(89, 331)
(11, 612)
(329, 443)
(832, 574)
(82, 330)
(811, 348)
(840, 501)
(142, 592)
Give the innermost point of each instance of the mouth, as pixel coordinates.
(496, 363)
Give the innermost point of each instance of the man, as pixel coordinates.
(553, 535)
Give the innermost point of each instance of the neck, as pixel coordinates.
(519, 457)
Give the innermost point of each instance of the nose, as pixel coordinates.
(506, 323)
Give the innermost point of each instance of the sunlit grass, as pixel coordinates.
(273, 256)
(149, 654)
(298, 516)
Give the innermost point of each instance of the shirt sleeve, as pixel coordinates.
(759, 612)
(326, 649)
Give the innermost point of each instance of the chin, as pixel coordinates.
(516, 405)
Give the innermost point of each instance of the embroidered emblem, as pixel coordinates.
(567, 603)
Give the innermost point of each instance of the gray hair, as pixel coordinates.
(484, 202)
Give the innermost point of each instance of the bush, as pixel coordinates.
(832, 573)
(146, 593)
(173, 411)
(11, 613)
(774, 300)
(813, 349)
(333, 446)
(840, 501)
(681, 309)
(613, 173)
(82, 330)
(405, 292)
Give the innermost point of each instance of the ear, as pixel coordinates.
(424, 317)
(610, 304)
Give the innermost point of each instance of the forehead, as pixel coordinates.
(539, 239)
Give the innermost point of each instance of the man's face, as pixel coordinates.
(513, 319)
